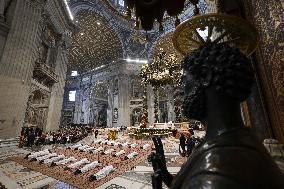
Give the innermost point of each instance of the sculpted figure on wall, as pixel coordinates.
(30, 110)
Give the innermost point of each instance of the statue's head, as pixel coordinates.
(219, 67)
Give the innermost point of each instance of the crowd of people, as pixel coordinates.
(31, 136)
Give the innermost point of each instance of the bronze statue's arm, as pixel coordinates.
(159, 164)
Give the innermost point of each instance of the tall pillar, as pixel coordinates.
(57, 94)
(123, 101)
(77, 107)
(150, 102)
(78, 103)
(87, 105)
(17, 64)
(170, 104)
(110, 104)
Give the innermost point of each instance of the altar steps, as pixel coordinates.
(9, 142)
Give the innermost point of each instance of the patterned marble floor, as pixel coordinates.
(15, 176)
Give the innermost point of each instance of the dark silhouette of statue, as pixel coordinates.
(216, 78)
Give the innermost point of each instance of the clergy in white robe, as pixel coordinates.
(78, 163)
(102, 173)
(87, 167)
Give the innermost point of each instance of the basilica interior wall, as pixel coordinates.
(267, 17)
(16, 67)
(20, 64)
(112, 96)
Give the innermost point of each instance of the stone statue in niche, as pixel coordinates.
(115, 115)
(216, 79)
(115, 87)
(30, 110)
(136, 116)
(136, 89)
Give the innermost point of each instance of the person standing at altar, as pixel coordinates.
(182, 141)
(189, 146)
(96, 133)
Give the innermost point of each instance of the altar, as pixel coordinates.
(147, 133)
(183, 125)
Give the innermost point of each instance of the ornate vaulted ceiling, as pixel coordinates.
(116, 36)
(95, 44)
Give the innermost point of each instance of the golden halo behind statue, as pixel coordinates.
(219, 28)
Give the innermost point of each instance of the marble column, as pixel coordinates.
(77, 108)
(151, 98)
(17, 65)
(87, 105)
(57, 94)
(78, 103)
(170, 104)
(123, 101)
(110, 104)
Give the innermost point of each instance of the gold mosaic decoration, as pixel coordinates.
(95, 44)
(221, 28)
(166, 43)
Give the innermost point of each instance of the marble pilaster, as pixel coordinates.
(123, 101)
(170, 105)
(110, 104)
(56, 97)
(16, 68)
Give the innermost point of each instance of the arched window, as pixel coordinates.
(121, 3)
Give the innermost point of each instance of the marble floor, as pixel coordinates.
(15, 176)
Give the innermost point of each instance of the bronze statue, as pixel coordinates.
(216, 78)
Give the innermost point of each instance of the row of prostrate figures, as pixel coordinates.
(83, 165)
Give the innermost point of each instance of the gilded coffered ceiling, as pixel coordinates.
(95, 44)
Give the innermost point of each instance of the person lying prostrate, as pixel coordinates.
(109, 151)
(97, 150)
(97, 141)
(64, 161)
(42, 158)
(78, 163)
(53, 159)
(87, 167)
(75, 146)
(119, 153)
(81, 148)
(145, 146)
(131, 155)
(125, 144)
(133, 145)
(102, 173)
(89, 149)
(117, 144)
(110, 143)
(104, 142)
(37, 154)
